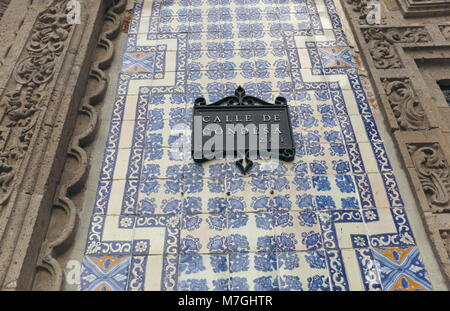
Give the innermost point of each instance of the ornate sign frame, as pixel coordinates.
(239, 103)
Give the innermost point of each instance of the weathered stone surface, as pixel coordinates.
(3, 6)
(427, 8)
(439, 233)
(47, 62)
(64, 213)
(404, 103)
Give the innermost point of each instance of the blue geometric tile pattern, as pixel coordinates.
(333, 219)
(106, 273)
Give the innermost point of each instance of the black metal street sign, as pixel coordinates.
(244, 127)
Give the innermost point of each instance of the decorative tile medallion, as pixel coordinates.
(336, 57)
(332, 219)
(401, 269)
(105, 273)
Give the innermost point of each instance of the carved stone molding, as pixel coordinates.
(422, 8)
(25, 98)
(405, 104)
(49, 274)
(445, 236)
(38, 108)
(381, 42)
(438, 225)
(433, 173)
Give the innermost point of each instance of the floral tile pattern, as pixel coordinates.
(333, 219)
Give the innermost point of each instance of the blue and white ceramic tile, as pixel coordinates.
(303, 271)
(333, 219)
(204, 272)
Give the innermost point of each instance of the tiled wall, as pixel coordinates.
(333, 219)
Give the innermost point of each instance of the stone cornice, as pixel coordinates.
(425, 8)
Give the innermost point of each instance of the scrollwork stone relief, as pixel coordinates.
(22, 102)
(433, 173)
(381, 42)
(405, 105)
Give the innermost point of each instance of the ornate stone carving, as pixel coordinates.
(433, 172)
(382, 42)
(74, 175)
(365, 8)
(421, 8)
(21, 104)
(445, 31)
(406, 107)
(382, 50)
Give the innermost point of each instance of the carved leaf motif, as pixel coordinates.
(433, 172)
(382, 49)
(381, 42)
(405, 106)
(20, 105)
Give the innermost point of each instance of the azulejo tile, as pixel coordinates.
(401, 269)
(138, 62)
(205, 233)
(105, 273)
(153, 272)
(336, 57)
(253, 271)
(343, 229)
(388, 227)
(296, 231)
(251, 232)
(303, 271)
(204, 272)
(354, 269)
(157, 235)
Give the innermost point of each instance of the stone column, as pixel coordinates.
(45, 60)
